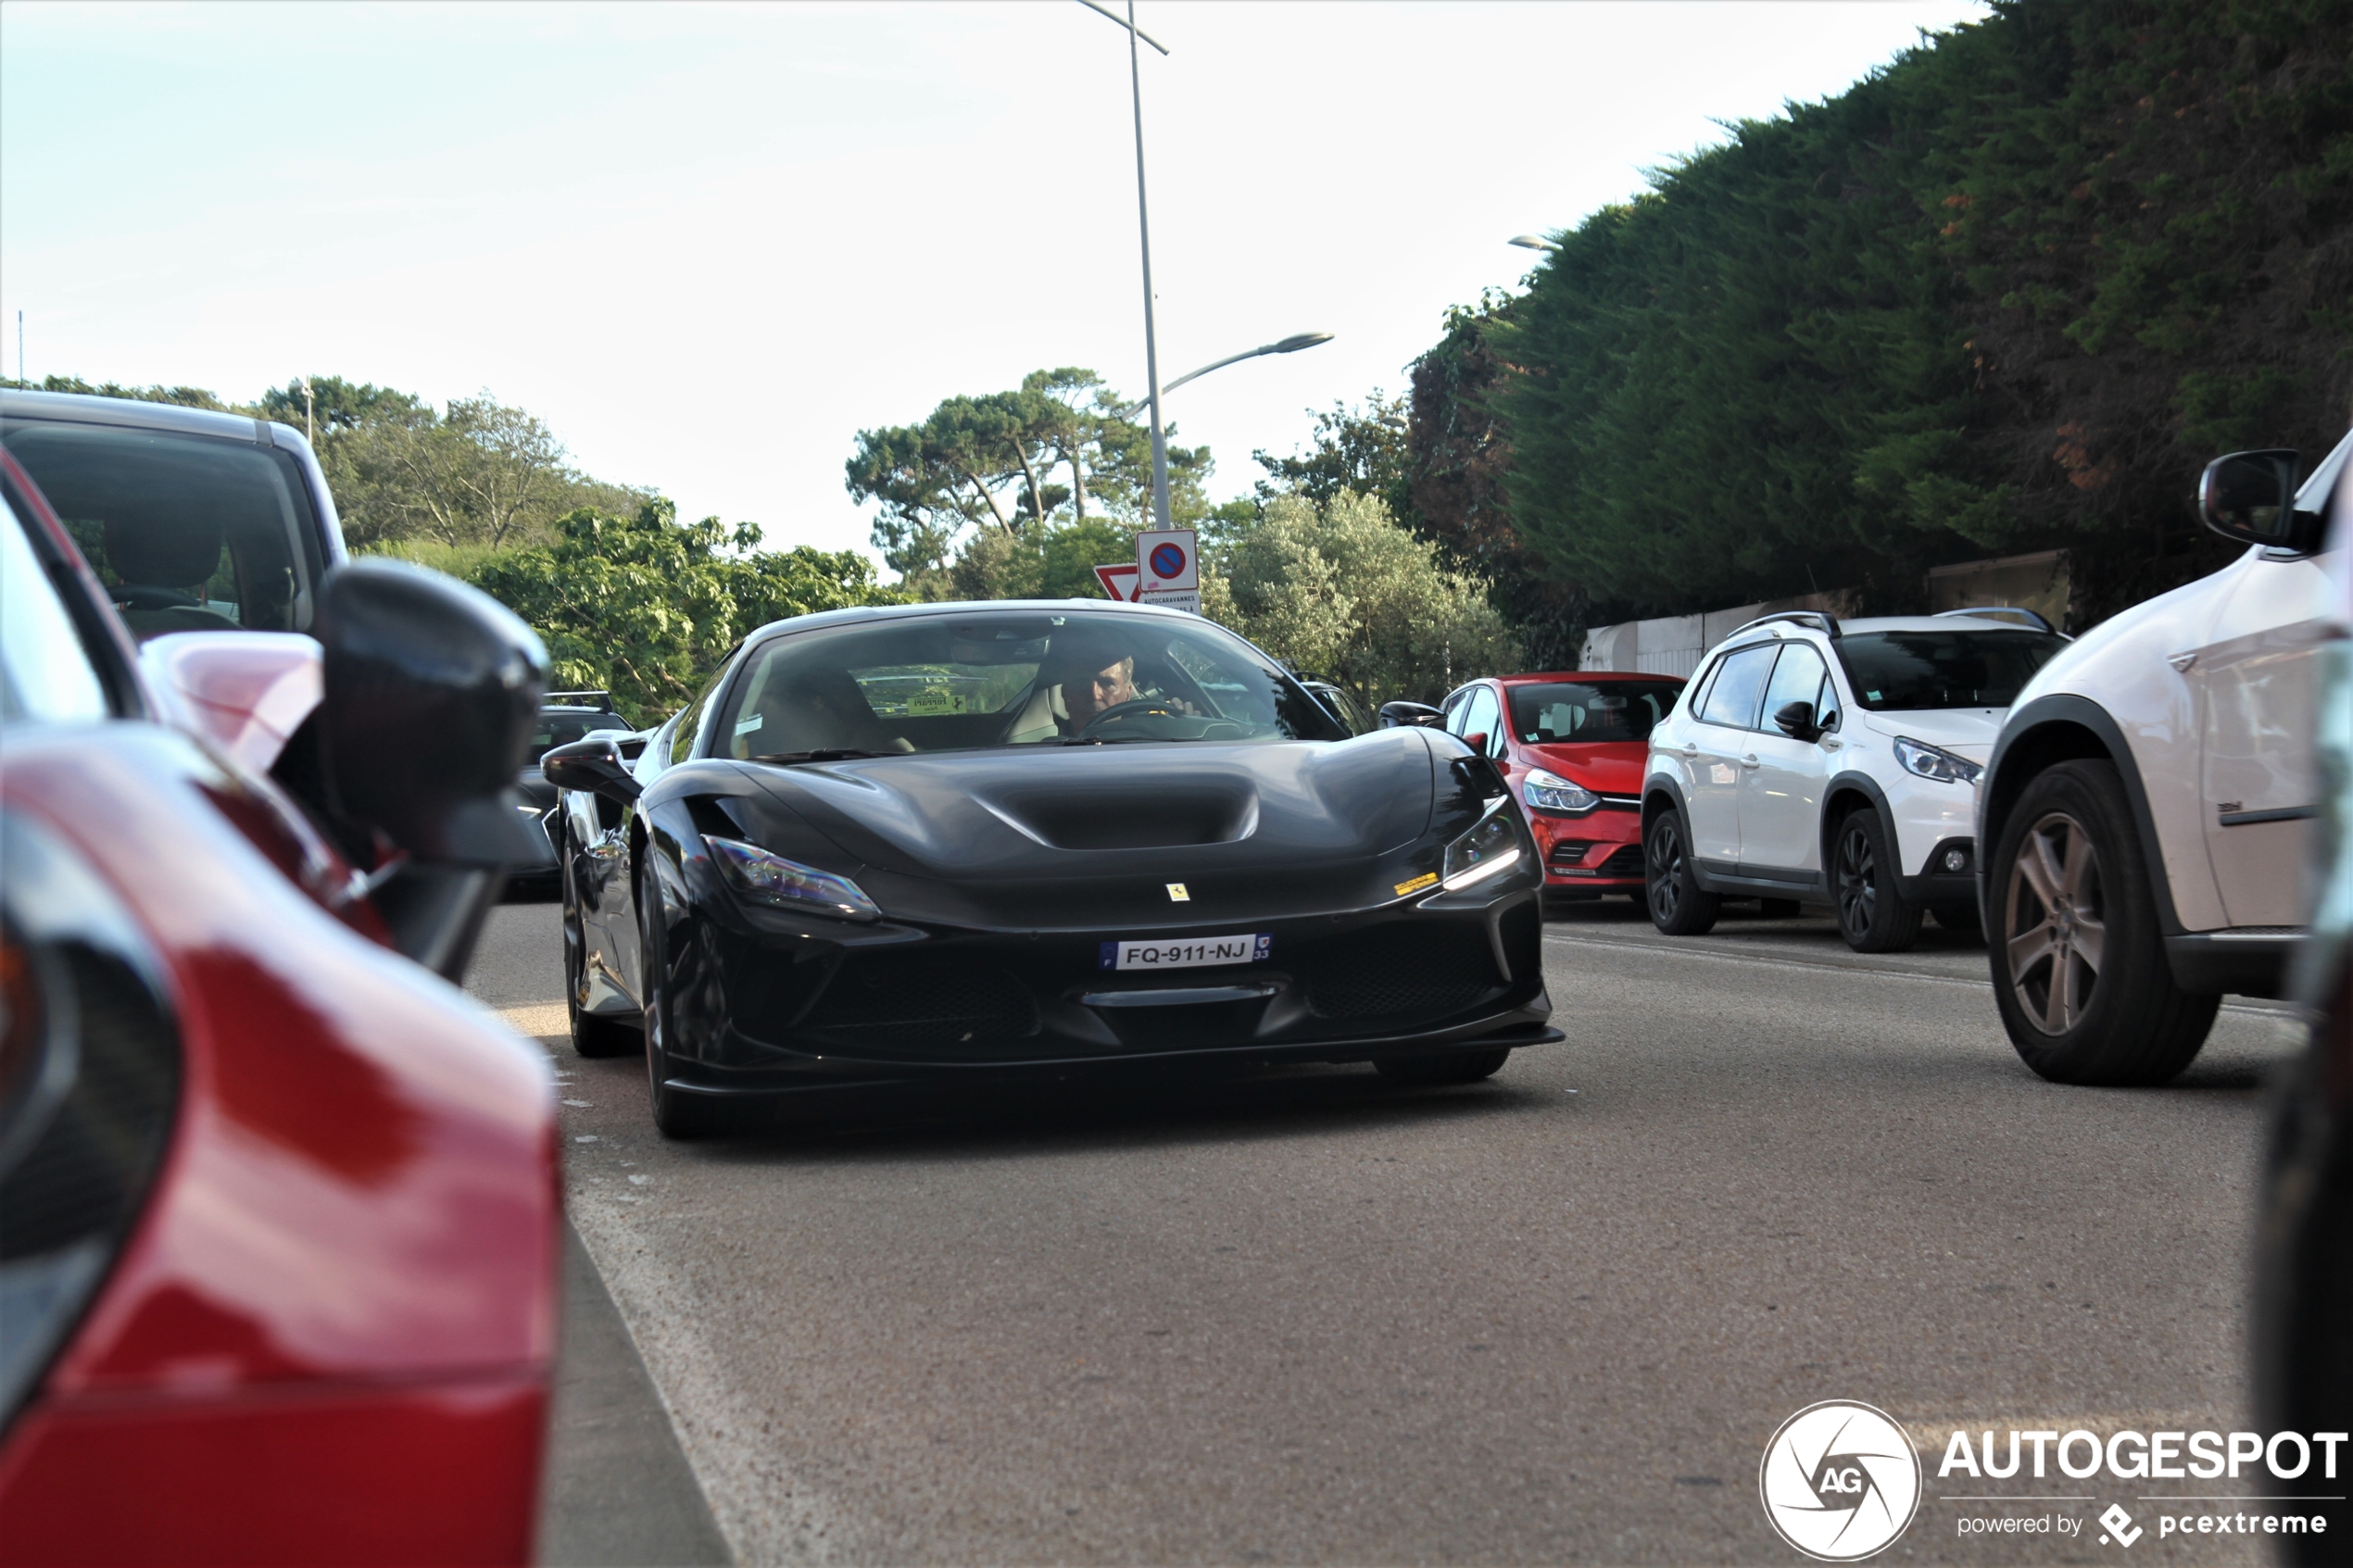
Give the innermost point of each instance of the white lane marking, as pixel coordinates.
(1814, 964)
(2256, 1007)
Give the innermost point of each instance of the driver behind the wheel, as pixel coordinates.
(1085, 671)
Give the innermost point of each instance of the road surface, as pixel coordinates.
(1305, 1317)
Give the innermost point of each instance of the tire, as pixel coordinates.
(2069, 866)
(1433, 1068)
(1678, 905)
(591, 1035)
(1872, 914)
(676, 1114)
(1778, 908)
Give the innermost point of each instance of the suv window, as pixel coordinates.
(1740, 682)
(188, 533)
(1798, 677)
(563, 727)
(1908, 670)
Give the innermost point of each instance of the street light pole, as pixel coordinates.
(1144, 226)
(1287, 346)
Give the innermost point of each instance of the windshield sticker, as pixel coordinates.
(746, 726)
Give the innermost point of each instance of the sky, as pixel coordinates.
(708, 243)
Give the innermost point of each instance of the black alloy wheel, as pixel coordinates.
(1679, 906)
(1872, 914)
(2080, 971)
(1431, 1069)
(676, 1114)
(591, 1035)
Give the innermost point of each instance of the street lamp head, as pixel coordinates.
(1534, 242)
(1293, 344)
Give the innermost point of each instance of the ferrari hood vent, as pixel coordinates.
(1054, 813)
(1183, 812)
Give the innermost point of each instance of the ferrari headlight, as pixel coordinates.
(1550, 792)
(1489, 847)
(1935, 762)
(765, 878)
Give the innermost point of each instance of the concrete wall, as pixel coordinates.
(2039, 583)
(1672, 645)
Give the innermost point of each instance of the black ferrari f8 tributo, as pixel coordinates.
(948, 841)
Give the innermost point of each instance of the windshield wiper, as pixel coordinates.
(822, 754)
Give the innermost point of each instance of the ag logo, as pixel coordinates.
(1839, 1481)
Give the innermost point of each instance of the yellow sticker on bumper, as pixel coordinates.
(1416, 884)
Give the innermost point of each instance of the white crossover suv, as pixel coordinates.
(1813, 761)
(2145, 805)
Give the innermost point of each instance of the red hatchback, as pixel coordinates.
(1573, 747)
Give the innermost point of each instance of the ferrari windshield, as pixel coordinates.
(1905, 670)
(982, 678)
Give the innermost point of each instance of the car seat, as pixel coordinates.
(159, 560)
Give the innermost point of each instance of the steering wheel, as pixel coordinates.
(1121, 710)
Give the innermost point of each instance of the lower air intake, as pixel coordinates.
(1405, 971)
(922, 1002)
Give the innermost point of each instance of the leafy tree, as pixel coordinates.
(969, 494)
(1361, 448)
(334, 405)
(1458, 456)
(2008, 292)
(483, 473)
(648, 608)
(1341, 590)
(185, 396)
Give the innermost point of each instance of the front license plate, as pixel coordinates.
(1193, 952)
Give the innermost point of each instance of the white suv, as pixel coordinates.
(2146, 805)
(1819, 763)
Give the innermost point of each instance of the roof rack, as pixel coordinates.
(2003, 612)
(559, 697)
(1820, 621)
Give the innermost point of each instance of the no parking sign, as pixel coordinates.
(1168, 568)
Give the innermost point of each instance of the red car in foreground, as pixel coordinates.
(278, 1207)
(1572, 748)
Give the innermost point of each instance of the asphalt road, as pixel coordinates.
(1303, 1317)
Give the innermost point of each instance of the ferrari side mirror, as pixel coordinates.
(595, 765)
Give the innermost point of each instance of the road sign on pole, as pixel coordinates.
(1167, 562)
(1119, 581)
